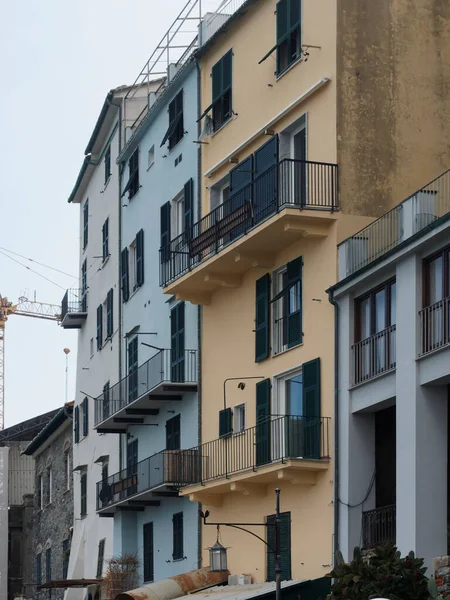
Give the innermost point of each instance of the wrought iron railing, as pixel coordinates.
(172, 467)
(274, 439)
(288, 184)
(74, 301)
(375, 355)
(379, 526)
(413, 215)
(162, 367)
(435, 326)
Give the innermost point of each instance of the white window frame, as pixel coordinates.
(278, 310)
(239, 418)
(177, 214)
(151, 157)
(279, 408)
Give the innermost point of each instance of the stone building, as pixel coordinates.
(53, 501)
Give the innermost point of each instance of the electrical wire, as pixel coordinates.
(32, 270)
(37, 262)
(369, 489)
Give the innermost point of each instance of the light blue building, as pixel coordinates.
(155, 406)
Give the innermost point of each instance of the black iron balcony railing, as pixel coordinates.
(374, 356)
(74, 301)
(288, 184)
(379, 526)
(435, 326)
(174, 468)
(162, 367)
(274, 439)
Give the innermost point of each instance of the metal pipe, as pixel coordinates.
(234, 379)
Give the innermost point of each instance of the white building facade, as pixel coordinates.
(392, 390)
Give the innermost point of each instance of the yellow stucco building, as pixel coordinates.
(258, 262)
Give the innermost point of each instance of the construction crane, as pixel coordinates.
(25, 308)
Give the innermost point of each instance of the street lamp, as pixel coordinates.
(218, 553)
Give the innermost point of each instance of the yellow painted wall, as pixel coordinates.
(257, 94)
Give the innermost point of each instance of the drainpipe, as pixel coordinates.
(119, 243)
(336, 424)
(199, 310)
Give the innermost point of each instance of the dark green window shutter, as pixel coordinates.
(262, 319)
(140, 257)
(148, 553)
(285, 546)
(84, 286)
(188, 207)
(173, 433)
(217, 80)
(109, 314)
(48, 564)
(227, 61)
(133, 369)
(165, 231)
(76, 424)
(263, 411)
(225, 426)
(294, 317)
(222, 90)
(311, 409)
(178, 550)
(100, 557)
(177, 342)
(83, 494)
(125, 282)
(85, 407)
(282, 12)
(85, 223)
(241, 175)
(105, 239)
(99, 326)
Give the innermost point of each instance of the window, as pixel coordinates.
(99, 326)
(133, 369)
(222, 91)
(288, 33)
(84, 286)
(105, 472)
(166, 234)
(148, 552)
(67, 469)
(40, 492)
(435, 318)
(101, 557)
(177, 215)
(133, 265)
(139, 258)
(48, 564)
(219, 195)
(109, 314)
(65, 558)
(284, 546)
(374, 349)
(132, 465)
(175, 131)
(151, 157)
(85, 409)
(105, 402)
(91, 347)
(85, 223)
(173, 433)
(239, 418)
(48, 498)
(132, 187)
(287, 302)
(83, 494)
(76, 424)
(39, 568)
(177, 343)
(105, 239)
(225, 422)
(107, 164)
(262, 319)
(178, 551)
(437, 278)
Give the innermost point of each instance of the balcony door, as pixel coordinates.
(297, 166)
(132, 465)
(265, 184)
(436, 313)
(133, 369)
(263, 423)
(173, 433)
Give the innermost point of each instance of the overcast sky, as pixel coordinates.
(58, 59)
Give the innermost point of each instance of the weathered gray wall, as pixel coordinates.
(52, 524)
(393, 99)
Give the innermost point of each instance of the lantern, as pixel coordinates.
(218, 557)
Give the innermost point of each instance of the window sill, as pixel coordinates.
(230, 120)
(176, 145)
(287, 69)
(148, 169)
(106, 182)
(83, 516)
(105, 260)
(174, 560)
(274, 354)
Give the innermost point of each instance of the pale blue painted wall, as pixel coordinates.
(149, 309)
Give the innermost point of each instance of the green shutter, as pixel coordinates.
(227, 70)
(178, 550)
(140, 257)
(177, 343)
(263, 422)
(188, 207)
(282, 11)
(217, 80)
(165, 232)
(109, 314)
(99, 326)
(262, 318)
(294, 319)
(311, 409)
(295, 11)
(85, 407)
(285, 546)
(225, 427)
(148, 552)
(76, 425)
(124, 276)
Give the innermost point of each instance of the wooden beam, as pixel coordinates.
(142, 411)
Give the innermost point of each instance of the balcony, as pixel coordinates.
(289, 448)
(156, 383)
(74, 309)
(427, 207)
(379, 526)
(434, 327)
(374, 356)
(290, 200)
(142, 484)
